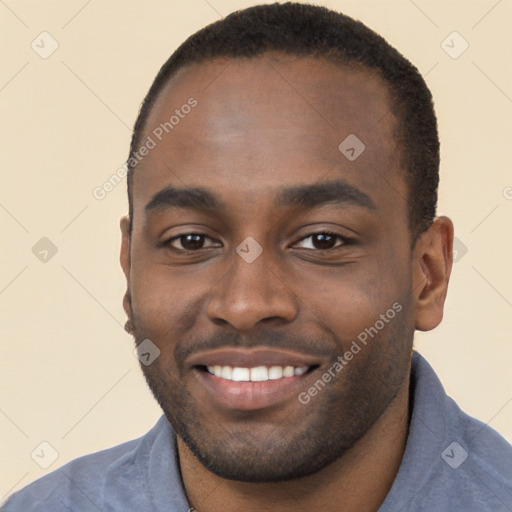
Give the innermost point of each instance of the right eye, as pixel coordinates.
(190, 242)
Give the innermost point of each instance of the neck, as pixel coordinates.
(357, 481)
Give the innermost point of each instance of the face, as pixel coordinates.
(262, 259)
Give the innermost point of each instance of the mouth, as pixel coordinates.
(250, 380)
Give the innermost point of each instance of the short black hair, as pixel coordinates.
(299, 29)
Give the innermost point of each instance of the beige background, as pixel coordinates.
(68, 375)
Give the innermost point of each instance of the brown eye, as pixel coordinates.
(191, 242)
(188, 242)
(322, 241)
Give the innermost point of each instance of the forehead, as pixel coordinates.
(272, 121)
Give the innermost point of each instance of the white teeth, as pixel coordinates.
(256, 374)
(288, 371)
(241, 374)
(259, 373)
(226, 372)
(275, 372)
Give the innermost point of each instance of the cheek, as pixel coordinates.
(167, 301)
(349, 299)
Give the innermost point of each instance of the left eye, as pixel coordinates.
(322, 241)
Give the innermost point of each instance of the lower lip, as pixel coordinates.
(248, 395)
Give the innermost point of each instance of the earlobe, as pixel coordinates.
(433, 258)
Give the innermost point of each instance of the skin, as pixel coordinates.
(261, 125)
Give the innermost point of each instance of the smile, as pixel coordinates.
(237, 379)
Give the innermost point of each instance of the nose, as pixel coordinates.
(250, 294)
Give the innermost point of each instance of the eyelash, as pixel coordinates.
(344, 241)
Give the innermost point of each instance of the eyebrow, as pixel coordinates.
(197, 198)
(337, 192)
(329, 192)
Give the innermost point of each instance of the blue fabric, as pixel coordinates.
(452, 462)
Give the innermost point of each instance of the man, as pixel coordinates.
(281, 249)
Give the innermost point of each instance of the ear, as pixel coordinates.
(125, 261)
(432, 266)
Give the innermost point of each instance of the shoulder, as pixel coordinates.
(82, 483)
(473, 470)
(452, 461)
(488, 456)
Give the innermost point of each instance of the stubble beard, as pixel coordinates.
(331, 424)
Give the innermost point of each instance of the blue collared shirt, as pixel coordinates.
(452, 462)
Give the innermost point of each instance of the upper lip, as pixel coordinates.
(250, 358)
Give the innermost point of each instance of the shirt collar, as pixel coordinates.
(426, 437)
